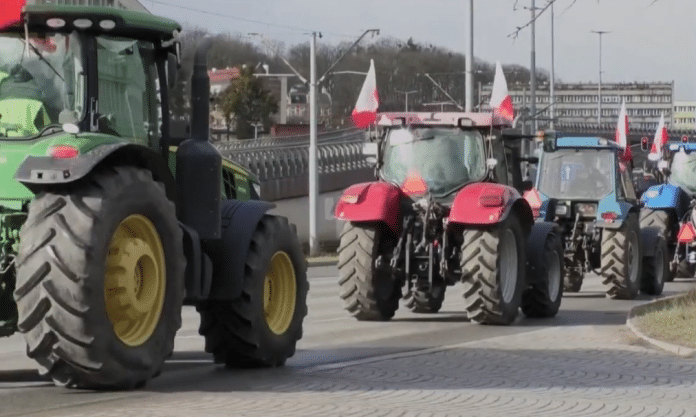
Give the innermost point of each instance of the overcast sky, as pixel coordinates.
(648, 42)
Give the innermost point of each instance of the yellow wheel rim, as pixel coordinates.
(135, 279)
(279, 293)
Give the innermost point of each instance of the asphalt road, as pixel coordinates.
(333, 344)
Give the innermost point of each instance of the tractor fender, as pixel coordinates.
(371, 202)
(229, 254)
(488, 204)
(649, 237)
(38, 172)
(666, 197)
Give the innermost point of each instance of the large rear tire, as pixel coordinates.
(622, 260)
(493, 272)
(367, 293)
(663, 221)
(262, 326)
(100, 280)
(542, 299)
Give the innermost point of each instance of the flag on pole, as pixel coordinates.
(501, 102)
(10, 12)
(621, 135)
(365, 111)
(660, 140)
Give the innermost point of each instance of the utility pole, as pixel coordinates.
(407, 93)
(469, 76)
(313, 177)
(533, 69)
(599, 85)
(552, 87)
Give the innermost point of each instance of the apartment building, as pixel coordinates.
(684, 115)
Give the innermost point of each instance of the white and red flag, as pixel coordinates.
(660, 140)
(621, 136)
(10, 12)
(501, 102)
(365, 111)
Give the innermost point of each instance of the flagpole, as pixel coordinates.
(313, 177)
(469, 76)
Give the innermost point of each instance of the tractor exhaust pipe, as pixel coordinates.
(200, 92)
(198, 162)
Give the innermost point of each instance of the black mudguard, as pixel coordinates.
(648, 239)
(37, 172)
(535, 245)
(239, 221)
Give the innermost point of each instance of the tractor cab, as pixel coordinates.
(49, 76)
(582, 176)
(682, 168)
(440, 153)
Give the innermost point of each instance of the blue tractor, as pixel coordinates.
(583, 187)
(669, 206)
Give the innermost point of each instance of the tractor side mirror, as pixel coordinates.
(369, 151)
(172, 70)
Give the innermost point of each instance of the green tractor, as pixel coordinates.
(109, 224)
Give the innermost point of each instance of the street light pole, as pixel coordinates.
(406, 93)
(599, 85)
(533, 69)
(552, 87)
(313, 177)
(469, 76)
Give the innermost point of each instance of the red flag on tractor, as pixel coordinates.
(365, 111)
(661, 138)
(10, 12)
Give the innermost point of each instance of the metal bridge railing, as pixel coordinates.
(282, 164)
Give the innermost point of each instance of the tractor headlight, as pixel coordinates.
(651, 194)
(562, 210)
(257, 188)
(586, 210)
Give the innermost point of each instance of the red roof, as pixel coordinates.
(223, 75)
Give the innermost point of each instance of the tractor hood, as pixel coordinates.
(57, 149)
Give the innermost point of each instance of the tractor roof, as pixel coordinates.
(109, 21)
(687, 146)
(441, 119)
(592, 142)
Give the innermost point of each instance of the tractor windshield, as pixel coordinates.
(683, 171)
(39, 81)
(582, 174)
(445, 158)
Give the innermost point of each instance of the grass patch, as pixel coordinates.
(674, 322)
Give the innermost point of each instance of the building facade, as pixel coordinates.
(123, 4)
(684, 115)
(578, 103)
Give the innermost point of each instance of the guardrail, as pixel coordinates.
(282, 164)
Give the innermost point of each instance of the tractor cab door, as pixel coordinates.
(628, 191)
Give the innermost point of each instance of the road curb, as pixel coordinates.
(638, 310)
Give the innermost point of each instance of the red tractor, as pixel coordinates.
(446, 208)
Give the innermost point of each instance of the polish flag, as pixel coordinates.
(365, 111)
(501, 102)
(621, 136)
(660, 140)
(10, 12)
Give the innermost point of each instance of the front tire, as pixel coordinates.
(100, 280)
(572, 280)
(621, 260)
(262, 326)
(367, 293)
(655, 269)
(542, 299)
(493, 272)
(663, 221)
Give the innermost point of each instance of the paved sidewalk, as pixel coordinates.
(560, 371)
